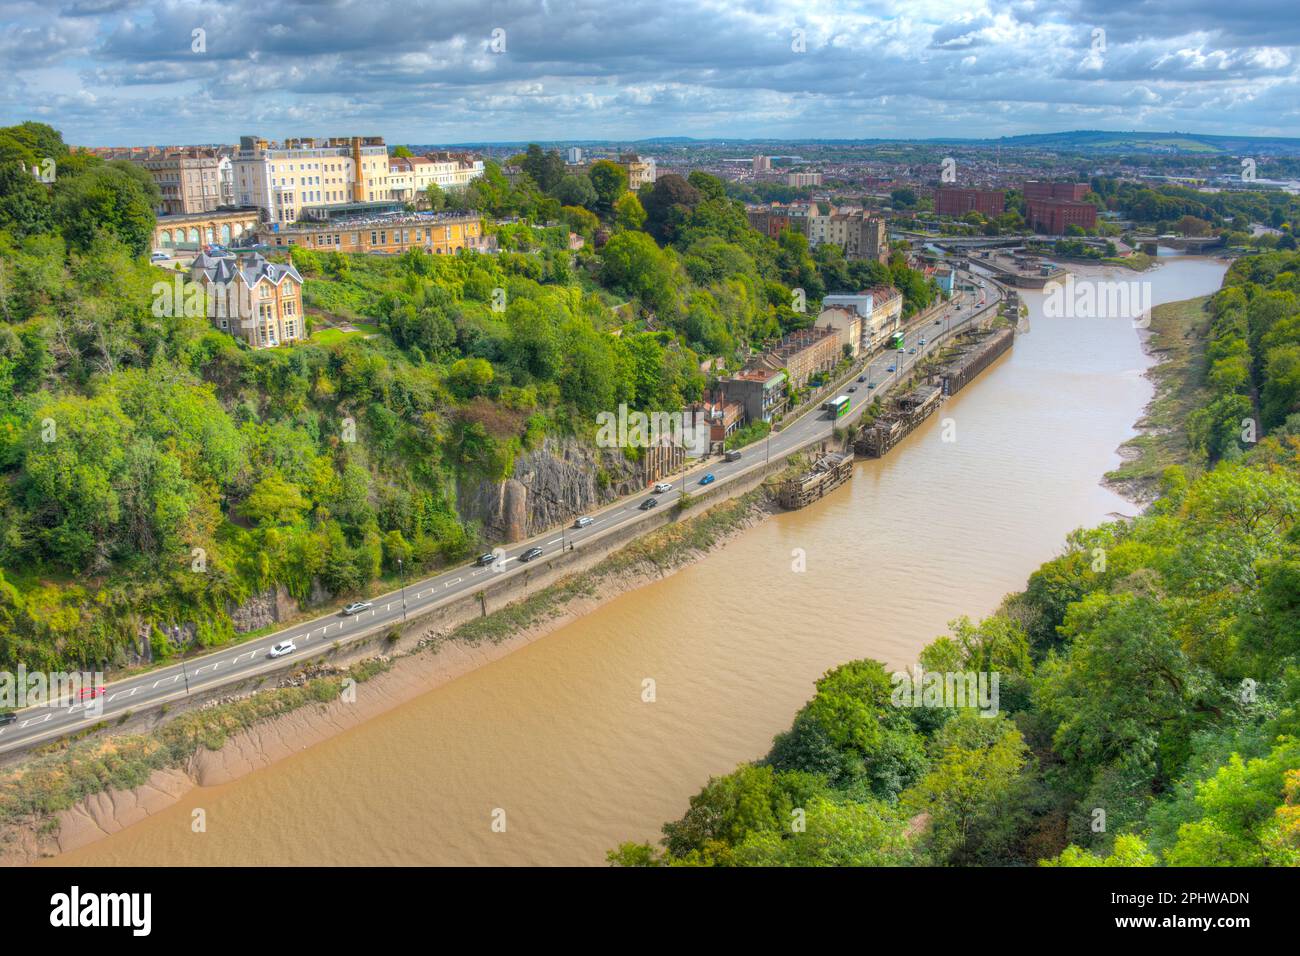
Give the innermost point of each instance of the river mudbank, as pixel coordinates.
(319, 702)
(1175, 343)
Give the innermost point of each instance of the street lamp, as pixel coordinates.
(401, 580)
(176, 632)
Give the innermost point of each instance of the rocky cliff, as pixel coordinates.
(550, 485)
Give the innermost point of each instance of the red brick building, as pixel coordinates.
(955, 201)
(1065, 192)
(1054, 216)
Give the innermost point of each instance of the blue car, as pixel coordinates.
(890, 369)
(707, 479)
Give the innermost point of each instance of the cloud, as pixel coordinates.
(589, 69)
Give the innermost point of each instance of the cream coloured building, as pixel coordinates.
(283, 178)
(410, 177)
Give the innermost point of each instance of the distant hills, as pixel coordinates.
(1074, 141)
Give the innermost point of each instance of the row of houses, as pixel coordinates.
(848, 324)
(859, 233)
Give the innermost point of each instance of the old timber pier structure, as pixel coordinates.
(827, 473)
(974, 350)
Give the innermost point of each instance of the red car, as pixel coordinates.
(90, 693)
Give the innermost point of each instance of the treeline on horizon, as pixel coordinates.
(155, 473)
(1149, 707)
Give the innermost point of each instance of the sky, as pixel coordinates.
(120, 72)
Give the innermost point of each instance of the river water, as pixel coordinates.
(555, 739)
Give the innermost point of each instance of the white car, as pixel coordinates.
(284, 647)
(356, 607)
(662, 486)
(159, 257)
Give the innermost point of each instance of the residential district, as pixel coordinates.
(227, 213)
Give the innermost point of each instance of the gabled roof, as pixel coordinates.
(251, 268)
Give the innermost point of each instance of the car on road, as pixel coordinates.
(862, 378)
(649, 503)
(890, 369)
(732, 456)
(90, 693)
(921, 343)
(902, 349)
(938, 321)
(911, 351)
(662, 486)
(871, 385)
(707, 479)
(853, 388)
(530, 554)
(159, 256)
(356, 607)
(583, 521)
(7, 718)
(483, 560)
(284, 647)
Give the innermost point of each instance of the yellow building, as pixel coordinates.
(283, 178)
(194, 230)
(437, 234)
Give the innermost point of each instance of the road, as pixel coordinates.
(250, 659)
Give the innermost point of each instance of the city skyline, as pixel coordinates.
(109, 72)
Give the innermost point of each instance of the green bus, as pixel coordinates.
(897, 341)
(837, 407)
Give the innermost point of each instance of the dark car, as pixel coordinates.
(8, 718)
(862, 378)
(649, 503)
(853, 388)
(530, 554)
(890, 369)
(483, 560)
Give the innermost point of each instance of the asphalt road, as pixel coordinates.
(239, 662)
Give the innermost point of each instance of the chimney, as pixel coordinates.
(358, 187)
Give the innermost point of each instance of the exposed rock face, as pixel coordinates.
(262, 609)
(550, 485)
